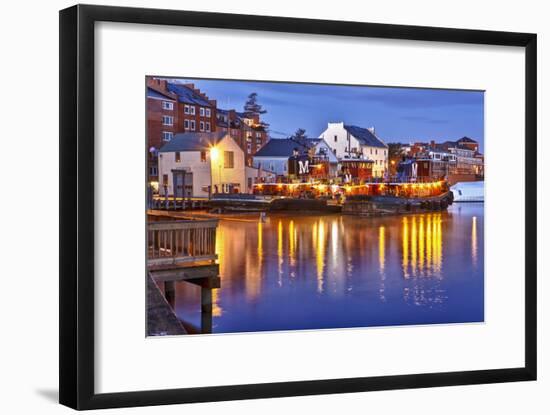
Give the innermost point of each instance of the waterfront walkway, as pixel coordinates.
(171, 214)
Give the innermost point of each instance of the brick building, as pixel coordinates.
(176, 108)
(162, 116)
(246, 129)
(173, 108)
(197, 113)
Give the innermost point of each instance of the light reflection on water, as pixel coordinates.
(332, 271)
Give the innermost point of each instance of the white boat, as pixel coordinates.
(469, 191)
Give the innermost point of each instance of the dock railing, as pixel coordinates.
(181, 242)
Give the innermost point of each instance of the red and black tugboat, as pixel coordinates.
(418, 186)
(414, 189)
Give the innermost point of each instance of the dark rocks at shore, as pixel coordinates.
(161, 319)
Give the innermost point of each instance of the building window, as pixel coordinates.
(208, 127)
(153, 171)
(192, 109)
(258, 135)
(201, 125)
(203, 156)
(167, 120)
(335, 138)
(165, 180)
(186, 109)
(178, 156)
(201, 111)
(167, 105)
(376, 151)
(228, 159)
(186, 124)
(167, 135)
(248, 148)
(192, 125)
(208, 112)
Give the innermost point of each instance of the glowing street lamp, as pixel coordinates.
(214, 153)
(215, 158)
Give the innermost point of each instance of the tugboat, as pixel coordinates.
(376, 199)
(420, 186)
(372, 198)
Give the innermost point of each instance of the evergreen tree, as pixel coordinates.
(251, 106)
(300, 134)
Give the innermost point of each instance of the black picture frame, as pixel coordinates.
(76, 280)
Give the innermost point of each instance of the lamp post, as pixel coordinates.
(214, 158)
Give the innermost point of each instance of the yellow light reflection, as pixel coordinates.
(216, 309)
(260, 241)
(253, 276)
(292, 243)
(280, 248)
(382, 248)
(421, 240)
(382, 261)
(422, 246)
(438, 244)
(414, 250)
(219, 248)
(320, 251)
(405, 233)
(253, 262)
(429, 244)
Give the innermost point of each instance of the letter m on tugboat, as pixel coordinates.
(303, 167)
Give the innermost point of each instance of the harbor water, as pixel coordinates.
(292, 271)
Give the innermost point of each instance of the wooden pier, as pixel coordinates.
(181, 241)
(183, 251)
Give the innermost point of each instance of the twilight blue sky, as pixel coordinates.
(398, 114)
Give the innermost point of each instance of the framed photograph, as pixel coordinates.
(258, 207)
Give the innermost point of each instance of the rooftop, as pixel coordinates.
(466, 140)
(192, 141)
(284, 147)
(280, 147)
(365, 136)
(153, 93)
(187, 95)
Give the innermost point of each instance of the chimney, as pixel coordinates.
(158, 84)
(432, 143)
(371, 129)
